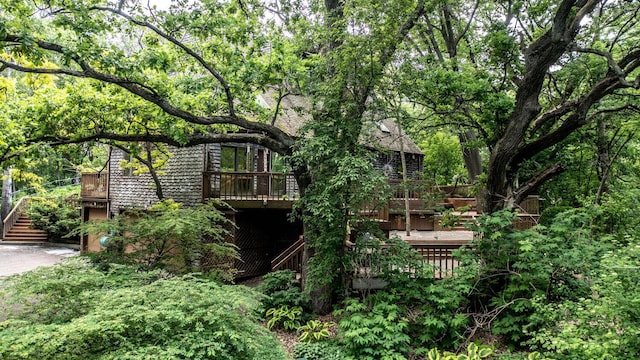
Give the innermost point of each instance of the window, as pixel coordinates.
(126, 165)
(236, 159)
(278, 164)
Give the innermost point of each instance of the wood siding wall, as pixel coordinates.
(181, 181)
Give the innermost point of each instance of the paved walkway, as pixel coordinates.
(16, 259)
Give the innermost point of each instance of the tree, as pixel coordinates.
(190, 77)
(127, 73)
(524, 76)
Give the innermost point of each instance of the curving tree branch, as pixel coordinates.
(145, 93)
(181, 45)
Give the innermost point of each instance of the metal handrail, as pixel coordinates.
(14, 214)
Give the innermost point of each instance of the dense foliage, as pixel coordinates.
(58, 216)
(74, 311)
(282, 288)
(171, 237)
(541, 89)
(514, 82)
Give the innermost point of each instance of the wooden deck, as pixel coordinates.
(94, 186)
(249, 186)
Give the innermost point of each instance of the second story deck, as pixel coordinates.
(94, 186)
(251, 189)
(267, 190)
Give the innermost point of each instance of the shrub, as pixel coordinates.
(513, 273)
(129, 315)
(282, 288)
(474, 352)
(373, 332)
(434, 309)
(314, 331)
(318, 351)
(284, 317)
(168, 236)
(603, 325)
(58, 216)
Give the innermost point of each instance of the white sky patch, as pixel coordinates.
(160, 4)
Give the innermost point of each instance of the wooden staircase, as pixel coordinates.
(291, 258)
(23, 231)
(17, 225)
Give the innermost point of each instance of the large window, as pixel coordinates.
(236, 159)
(278, 165)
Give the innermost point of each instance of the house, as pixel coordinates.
(249, 177)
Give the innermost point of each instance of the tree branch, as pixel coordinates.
(551, 171)
(613, 66)
(192, 140)
(578, 118)
(146, 93)
(176, 42)
(553, 114)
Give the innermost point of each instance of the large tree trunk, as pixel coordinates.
(470, 154)
(538, 57)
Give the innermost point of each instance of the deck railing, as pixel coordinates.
(440, 256)
(12, 217)
(94, 185)
(420, 189)
(249, 186)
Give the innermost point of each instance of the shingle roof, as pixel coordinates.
(295, 110)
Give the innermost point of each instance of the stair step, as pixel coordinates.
(23, 231)
(25, 238)
(26, 231)
(40, 236)
(11, 233)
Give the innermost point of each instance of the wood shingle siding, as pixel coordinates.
(181, 180)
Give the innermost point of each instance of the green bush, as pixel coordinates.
(373, 332)
(550, 213)
(474, 352)
(433, 308)
(58, 216)
(513, 274)
(318, 351)
(604, 325)
(284, 317)
(128, 315)
(282, 288)
(170, 237)
(314, 331)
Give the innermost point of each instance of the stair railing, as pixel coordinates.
(12, 217)
(290, 258)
